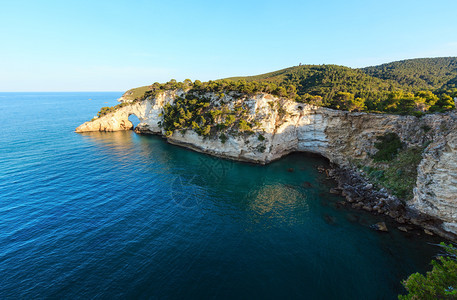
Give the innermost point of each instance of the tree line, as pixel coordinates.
(396, 101)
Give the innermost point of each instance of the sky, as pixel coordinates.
(116, 45)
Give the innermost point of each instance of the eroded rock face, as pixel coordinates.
(340, 136)
(436, 188)
(147, 112)
(111, 122)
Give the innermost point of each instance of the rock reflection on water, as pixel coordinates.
(112, 143)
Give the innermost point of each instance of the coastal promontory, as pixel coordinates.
(408, 159)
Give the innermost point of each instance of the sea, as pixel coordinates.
(120, 215)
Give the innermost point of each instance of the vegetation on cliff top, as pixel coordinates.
(136, 93)
(109, 109)
(406, 87)
(208, 118)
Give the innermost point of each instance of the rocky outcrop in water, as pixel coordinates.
(344, 138)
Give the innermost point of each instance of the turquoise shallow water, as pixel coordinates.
(115, 215)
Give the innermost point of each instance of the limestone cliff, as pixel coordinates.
(285, 126)
(436, 189)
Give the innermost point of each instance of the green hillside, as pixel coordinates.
(411, 74)
(136, 93)
(413, 86)
(393, 87)
(420, 73)
(327, 80)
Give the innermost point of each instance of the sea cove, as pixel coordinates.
(120, 214)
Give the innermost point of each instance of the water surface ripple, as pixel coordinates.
(115, 215)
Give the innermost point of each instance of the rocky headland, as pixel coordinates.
(349, 140)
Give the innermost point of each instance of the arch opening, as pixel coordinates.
(134, 119)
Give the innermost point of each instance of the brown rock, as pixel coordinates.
(334, 191)
(402, 228)
(380, 226)
(357, 205)
(394, 214)
(401, 220)
(367, 208)
(428, 232)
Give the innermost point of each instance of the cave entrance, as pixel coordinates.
(303, 153)
(134, 119)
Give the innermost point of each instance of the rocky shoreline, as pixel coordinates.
(279, 126)
(360, 194)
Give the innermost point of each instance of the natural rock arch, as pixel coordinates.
(116, 121)
(133, 118)
(342, 137)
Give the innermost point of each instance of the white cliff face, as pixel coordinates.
(286, 126)
(148, 112)
(436, 190)
(116, 121)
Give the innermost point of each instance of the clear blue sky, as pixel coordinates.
(115, 45)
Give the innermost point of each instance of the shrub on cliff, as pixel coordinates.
(346, 101)
(439, 283)
(110, 109)
(223, 138)
(444, 103)
(244, 126)
(105, 110)
(196, 112)
(401, 173)
(310, 99)
(388, 146)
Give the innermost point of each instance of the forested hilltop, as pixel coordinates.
(420, 73)
(414, 86)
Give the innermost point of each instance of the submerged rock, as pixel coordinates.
(329, 219)
(352, 218)
(380, 226)
(340, 204)
(307, 184)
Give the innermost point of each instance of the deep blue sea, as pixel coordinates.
(121, 215)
